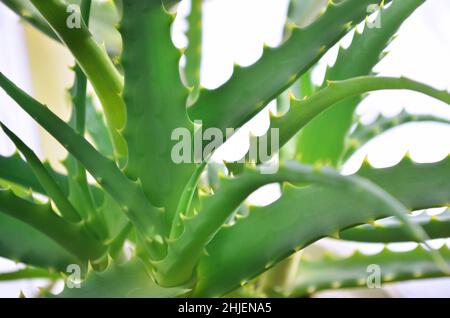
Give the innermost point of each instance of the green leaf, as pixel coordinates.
(336, 272)
(302, 112)
(28, 273)
(79, 191)
(48, 183)
(193, 51)
(112, 214)
(315, 143)
(97, 130)
(134, 280)
(390, 230)
(105, 17)
(304, 215)
(128, 194)
(363, 133)
(156, 103)
(73, 237)
(184, 251)
(253, 87)
(14, 169)
(21, 242)
(417, 185)
(95, 63)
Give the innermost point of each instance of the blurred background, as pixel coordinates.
(234, 33)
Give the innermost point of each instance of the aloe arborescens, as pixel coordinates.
(189, 227)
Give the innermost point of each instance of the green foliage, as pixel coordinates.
(390, 230)
(332, 272)
(167, 229)
(364, 53)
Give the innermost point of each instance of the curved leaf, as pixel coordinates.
(363, 133)
(156, 103)
(253, 87)
(134, 282)
(334, 272)
(95, 63)
(72, 237)
(304, 215)
(22, 243)
(48, 183)
(184, 251)
(314, 142)
(389, 230)
(128, 194)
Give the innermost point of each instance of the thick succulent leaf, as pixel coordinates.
(334, 272)
(193, 51)
(22, 243)
(302, 13)
(48, 183)
(97, 130)
(14, 169)
(128, 194)
(79, 191)
(95, 63)
(251, 88)
(185, 250)
(42, 217)
(28, 273)
(390, 230)
(363, 133)
(315, 143)
(113, 216)
(303, 111)
(304, 215)
(186, 200)
(417, 185)
(120, 281)
(156, 102)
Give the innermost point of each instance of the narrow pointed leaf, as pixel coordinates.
(48, 183)
(315, 143)
(302, 112)
(156, 103)
(184, 251)
(304, 215)
(193, 51)
(390, 230)
(28, 273)
(230, 105)
(95, 63)
(337, 272)
(22, 243)
(14, 169)
(73, 237)
(363, 133)
(127, 193)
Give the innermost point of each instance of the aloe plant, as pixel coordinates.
(165, 228)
